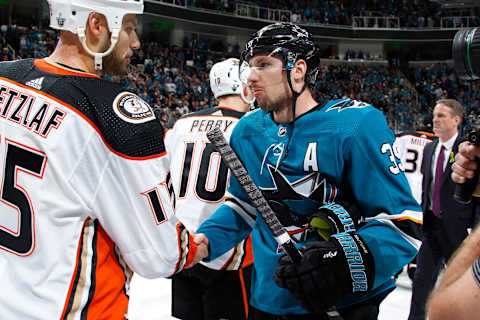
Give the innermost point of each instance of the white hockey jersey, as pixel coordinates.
(410, 150)
(86, 197)
(200, 178)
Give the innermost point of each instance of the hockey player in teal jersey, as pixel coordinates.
(324, 153)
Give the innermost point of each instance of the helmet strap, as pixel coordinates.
(251, 103)
(295, 94)
(98, 56)
(290, 60)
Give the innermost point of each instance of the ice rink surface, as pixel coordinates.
(150, 300)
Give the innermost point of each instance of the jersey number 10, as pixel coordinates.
(211, 179)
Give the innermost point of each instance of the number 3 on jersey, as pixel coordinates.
(210, 172)
(17, 214)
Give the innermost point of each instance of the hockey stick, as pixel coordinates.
(236, 167)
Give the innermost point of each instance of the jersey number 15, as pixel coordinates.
(19, 158)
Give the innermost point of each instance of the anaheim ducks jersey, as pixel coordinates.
(410, 146)
(343, 148)
(86, 195)
(200, 178)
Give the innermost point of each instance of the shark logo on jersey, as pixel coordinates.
(346, 104)
(293, 201)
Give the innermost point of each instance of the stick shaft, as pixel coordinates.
(257, 199)
(236, 167)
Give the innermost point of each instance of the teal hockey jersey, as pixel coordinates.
(341, 149)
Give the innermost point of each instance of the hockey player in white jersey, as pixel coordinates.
(410, 150)
(409, 146)
(217, 289)
(86, 193)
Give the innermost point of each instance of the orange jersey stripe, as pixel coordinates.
(106, 280)
(248, 252)
(228, 108)
(109, 300)
(409, 218)
(244, 292)
(46, 66)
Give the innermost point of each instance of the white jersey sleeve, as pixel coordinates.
(140, 219)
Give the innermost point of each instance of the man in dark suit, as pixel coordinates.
(445, 221)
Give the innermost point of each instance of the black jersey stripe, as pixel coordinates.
(409, 227)
(78, 271)
(226, 112)
(93, 272)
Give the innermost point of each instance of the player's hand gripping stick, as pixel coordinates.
(254, 195)
(236, 167)
(463, 191)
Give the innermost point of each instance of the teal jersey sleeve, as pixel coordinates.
(375, 175)
(231, 223)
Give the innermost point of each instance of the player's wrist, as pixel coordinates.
(358, 259)
(332, 218)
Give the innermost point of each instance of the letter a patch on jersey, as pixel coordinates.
(131, 108)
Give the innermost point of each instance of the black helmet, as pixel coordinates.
(290, 42)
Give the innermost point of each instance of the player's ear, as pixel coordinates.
(96, 22)
(97, 33)
(247, 93)
(300, 70)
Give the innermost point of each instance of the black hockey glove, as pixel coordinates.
(335, 217)
(328, 271)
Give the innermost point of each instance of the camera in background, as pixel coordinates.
(466, 53)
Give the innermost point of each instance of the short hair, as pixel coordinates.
(455, 106)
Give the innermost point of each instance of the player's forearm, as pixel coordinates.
(458, 294)
(462, 259)
(458, 301)
(224, 229)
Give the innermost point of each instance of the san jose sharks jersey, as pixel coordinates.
(343, 148)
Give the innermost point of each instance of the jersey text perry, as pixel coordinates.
(205, 125)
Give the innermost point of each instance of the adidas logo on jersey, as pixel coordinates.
(35, 83)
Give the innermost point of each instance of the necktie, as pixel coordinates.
(438, 182)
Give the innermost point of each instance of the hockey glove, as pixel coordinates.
(334, 218)
(328, 271)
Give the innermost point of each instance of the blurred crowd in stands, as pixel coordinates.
(174, 80)
(411, 13)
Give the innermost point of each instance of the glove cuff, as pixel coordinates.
(360, 261)
(333, 218)
(337, 214)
